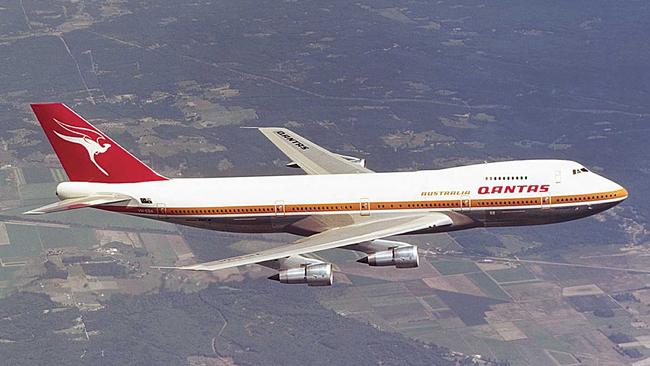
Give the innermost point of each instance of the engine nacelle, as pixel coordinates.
(401, 257)
(312, 274)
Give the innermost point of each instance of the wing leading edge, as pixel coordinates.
(334, 238)
(312, 158)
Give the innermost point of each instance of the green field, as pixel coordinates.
(447, 267)
(7, 272)
(38, 191)
(541, 337)
(435, 302)
(512, 275)
(30, 240)
(8, 187)
(158, 246)
(25, 242)
(563, 358)
(34, 175)
(54, 237)
(4, 292)
(488, 286)
(396, 312)
(501, 350)
(516, 244)
(420, 330)
(338, 255)
(620, 322)
(364, 281)
(59, 174)
(433, 333)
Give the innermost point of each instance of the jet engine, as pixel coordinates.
(401, 257)
(312, 274)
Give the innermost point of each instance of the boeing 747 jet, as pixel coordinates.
(340, 203)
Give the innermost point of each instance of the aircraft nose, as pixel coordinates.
(624, 193)
(619, 191)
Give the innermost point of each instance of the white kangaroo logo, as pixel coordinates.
(82, 136)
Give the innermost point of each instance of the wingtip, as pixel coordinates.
(263, 128)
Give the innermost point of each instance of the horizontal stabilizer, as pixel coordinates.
(80, 202)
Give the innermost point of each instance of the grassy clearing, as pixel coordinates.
(447, 267)
(25, 243)
(7, 272)
(488, 286)
(34, 175)
(434, 302)
(563, 358)
(54, 237)
(38, 191)
(59, 175)
(512, 275)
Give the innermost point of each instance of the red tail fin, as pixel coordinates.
(87, 155)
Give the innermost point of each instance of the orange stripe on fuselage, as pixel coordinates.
(374, 206)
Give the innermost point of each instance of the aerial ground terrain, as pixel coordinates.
(406, 85)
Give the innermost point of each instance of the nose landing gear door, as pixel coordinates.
(278, 219)
(161, 210)
(279, 208)
(546, 201)
(364, 207)
(465, 203)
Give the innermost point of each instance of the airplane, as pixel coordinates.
(339, 203)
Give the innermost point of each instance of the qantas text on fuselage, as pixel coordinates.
(524, 188)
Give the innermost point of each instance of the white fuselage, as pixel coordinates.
(492, 194)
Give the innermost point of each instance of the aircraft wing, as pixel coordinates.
(81, 202)
(333, 238)
(310, 157)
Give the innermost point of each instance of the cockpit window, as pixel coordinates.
(581, 170)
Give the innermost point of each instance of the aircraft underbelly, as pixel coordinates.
(262, 224)
(306, 225)
(540, 216)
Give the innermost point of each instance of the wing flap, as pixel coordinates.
(334, 238)
(312, 158)
(80, 202)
